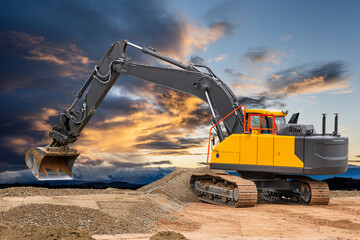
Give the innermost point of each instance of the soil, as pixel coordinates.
(341, 194)
(167, 205)
(168, 235)
(49, 215)
(43, 233)
(39, 191)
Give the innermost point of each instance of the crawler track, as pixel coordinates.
(234, 191)
(223, 189)
(319, 193)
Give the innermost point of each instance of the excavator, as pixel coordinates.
(271, 157)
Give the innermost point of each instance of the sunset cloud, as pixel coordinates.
(137, 119)
(37, 130)
(262, 55)
(311, 78)
(167, 125)
(32, 47)
(222, 57)
(194, 38)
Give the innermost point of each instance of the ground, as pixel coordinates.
(125, 214)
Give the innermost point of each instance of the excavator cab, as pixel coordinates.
(264, 121)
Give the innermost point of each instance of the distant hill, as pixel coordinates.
(340, 183)
(135, 179)
(352, 172)
(335, 183)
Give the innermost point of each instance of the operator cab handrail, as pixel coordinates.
(208, 152)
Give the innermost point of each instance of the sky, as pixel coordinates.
(300, 56)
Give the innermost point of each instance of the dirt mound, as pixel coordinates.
(39, 191)
(168, 235)
(48, 215)
(44, 233)
(176, 185)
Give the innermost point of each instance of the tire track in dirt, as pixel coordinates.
(303, 218)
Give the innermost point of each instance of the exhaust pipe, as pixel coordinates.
(59, 160)
(324, 124)
(335, 133)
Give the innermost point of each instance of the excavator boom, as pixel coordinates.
(59, 157)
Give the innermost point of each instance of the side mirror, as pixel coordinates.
(294, 118)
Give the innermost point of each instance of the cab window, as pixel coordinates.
(254, 122)
(279, 120)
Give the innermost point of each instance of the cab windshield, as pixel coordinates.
(279, 120)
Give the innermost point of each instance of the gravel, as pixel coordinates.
(168, 235)
(44, 233)
(39, 191)
(49, 215)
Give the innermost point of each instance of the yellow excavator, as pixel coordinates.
(271, 156)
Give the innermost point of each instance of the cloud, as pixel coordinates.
(72, 62)
(308, 78)
(262, 55)
(38, 49)
(286, 37)
(226, 12)
(27, 131)
(222, 57)
(193, 38)
(176, 143)
(223, 27)
(262, 100)
(45, 61)
(132, 165)
(197, 59)
(164, 126)
(311, 78)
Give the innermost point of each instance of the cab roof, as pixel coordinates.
(266, 111)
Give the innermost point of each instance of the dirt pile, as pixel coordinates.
(108, 214)
(168, 235)
(139, 215)
(176, 185)
(48, 215)
(43, 233)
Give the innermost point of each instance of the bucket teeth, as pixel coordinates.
(43, 170)
(50, 163)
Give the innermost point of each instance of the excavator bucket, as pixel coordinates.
(51, 163)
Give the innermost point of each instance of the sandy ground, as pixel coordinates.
(339, 220)
(167, 205)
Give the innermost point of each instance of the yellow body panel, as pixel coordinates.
(248, 149)
(284, 152)
(257, 149)
(266, 111)
(228, 150)
(265, 150)
(225, 157)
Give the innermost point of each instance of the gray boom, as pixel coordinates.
(188, 79)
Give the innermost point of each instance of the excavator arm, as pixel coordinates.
(186, 78)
